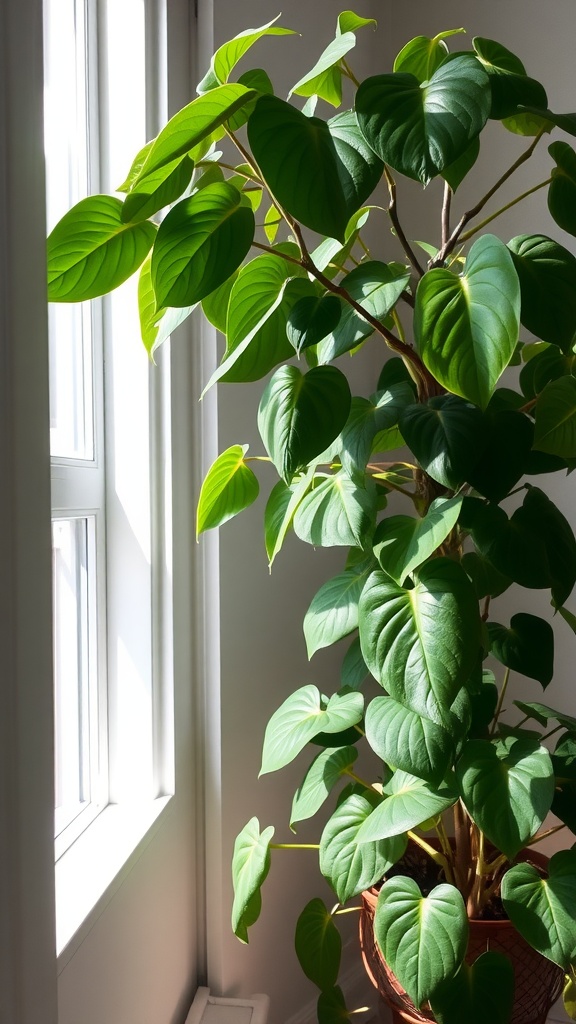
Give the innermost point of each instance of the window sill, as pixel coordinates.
(93, 868)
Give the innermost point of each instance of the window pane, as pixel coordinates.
(72, 667)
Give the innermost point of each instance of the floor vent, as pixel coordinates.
(208, 1009)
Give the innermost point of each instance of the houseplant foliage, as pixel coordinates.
(434, 484)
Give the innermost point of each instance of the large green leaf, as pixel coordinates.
(302, 716)
(333, 613)
(422, 938)
(156, 325)
(479, 992)
(527, 646)
(336, 512)
(301, 414)
(423, 56)
(467, 326)
(555, 430)
(446, 436)
(250, 865)
(157, 190)
(311, 320)
(405, 740)
(91, 250)
(421, 644)
(200, 244)
(486, 580)
(376, 287)
(508, 441)
(229, 487)
(320, 172)
(409, 802)
(402, 543)
(318, 944)
(194, 123)
(350, 866)
(507, 789)
(547, 273)
(422, 129)
(324, 772)
(215, 305)
(542, 909)
(229, 54)
(562, 191)
(368, 417)
(509, 83)
(454, 174)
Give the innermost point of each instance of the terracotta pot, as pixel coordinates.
(539, 982)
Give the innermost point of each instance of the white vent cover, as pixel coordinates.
(208, 1009)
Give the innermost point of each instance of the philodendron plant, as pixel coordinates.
(434, 485)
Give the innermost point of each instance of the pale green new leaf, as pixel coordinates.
(402, 543)
(542, 909)
(348, 21)
(250, 865)
(229, 487)
(336, 513)
(405, 740)
(325, 78)
(157, 190)
(333, 613)
(409, 802)
(318, 944)
(229, 54)
(301, 717)
(423, 56)
(323, 774)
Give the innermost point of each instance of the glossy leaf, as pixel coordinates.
(422, 130)
(467, 326)
(368, 418)
(157, 190)
(229, 487)
(542, 909)
(333, 613)
(229, 54)
(486, 580)
(320, 172)
(303, 715)
(280, 509)
(301, 414)
(350, 866)
(402, 543)
(555, 428)
(423, 56)
(311, 320)
(215, 305)
(507, 789)
(454, 174)
(447, 437)
(194, 123)
(325, 78)
(509, 84)
(250, 866)
(325, 771)
(336, 512)
(409, 802)
(543, 714)
(201, 242)
(527, 646)
(547, 273)
(354, 670)
(318, 944)
(479, 992)
(562, 191)
(156, 326)
(405, 740)
(376, 287)
(421, 644)
(91, 250)
(422, 938)
(348, 21)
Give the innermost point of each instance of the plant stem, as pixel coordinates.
(435, 855)
(544, 835)
(446, 204)
(362, 782)
(551, 733)
(478, 227)
(349, 73)
(347, 910)
(526, 408)
(282, 255)
(294, 846)
(500, 701)
(393, 213)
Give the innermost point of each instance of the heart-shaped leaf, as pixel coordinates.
(325, 78)
(229, 487)
(302, 716)
(301, 414)
(509, 84)
(333, 613)
(409, 802)
(420, 129)
(562, 191)
(320, 172)
(422, 643)
(407, 741)
(480, 991)
(324, 772)
(350, 866)
(467, 326)
(423, 56)
(376, 287)
(402, 543)
(447, 437)
(555, 429)
(542, 909)
(547, 273)
(91, 250)
(367, 419)
(250, 865)
(229, 54)
(422, 938)
(312, 319)
(200, 244)
(527, 646)
(336, 512)
(507, 789)
(318, 944)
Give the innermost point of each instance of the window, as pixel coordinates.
(108, 414)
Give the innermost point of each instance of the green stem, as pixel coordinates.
(508, 206)
(294, 846)
(435, 855)
(349, 73)
(230, 167)
(347, 910)
(361, 782)
(500, 701)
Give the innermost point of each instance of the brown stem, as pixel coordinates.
(544, 835)
(463, 849)
(393, 213)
